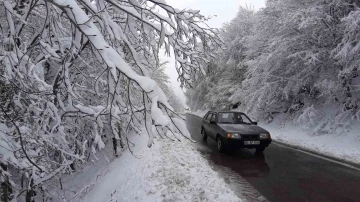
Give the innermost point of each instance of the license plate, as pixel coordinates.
(251, 142)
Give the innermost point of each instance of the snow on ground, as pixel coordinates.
(79, 183)
(168, 171)
(344, 144)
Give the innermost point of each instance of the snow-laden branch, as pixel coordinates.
(76, 74)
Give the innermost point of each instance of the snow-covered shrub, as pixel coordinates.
(347, 52)
(310, 117)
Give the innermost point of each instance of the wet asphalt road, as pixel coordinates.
(280, 174)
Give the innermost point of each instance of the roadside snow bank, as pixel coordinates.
(344, 146)
(70, 187)
(327, 130)
(168, 171)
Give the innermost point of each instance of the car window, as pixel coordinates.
(233, 118)
(208, 117)
(245, 119)
(213, 118)
(226, 117)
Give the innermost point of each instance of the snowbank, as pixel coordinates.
(168, 171)
(77, 184)
(344, 145)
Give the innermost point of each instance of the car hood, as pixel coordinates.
(242, 128)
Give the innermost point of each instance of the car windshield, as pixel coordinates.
(233, 118)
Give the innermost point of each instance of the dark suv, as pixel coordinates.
(234, 130)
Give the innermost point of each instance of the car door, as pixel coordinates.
(212, 127)
(206, 123)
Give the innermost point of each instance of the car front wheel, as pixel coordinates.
(220, 144)
(203, 135)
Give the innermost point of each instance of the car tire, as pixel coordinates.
(260, 149)
(220, 144)
(203, 135)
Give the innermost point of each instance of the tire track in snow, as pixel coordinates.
(237, 183)
(248, 192)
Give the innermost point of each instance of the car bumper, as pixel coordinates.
(238, 143)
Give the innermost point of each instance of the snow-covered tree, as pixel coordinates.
(201, 86)
(75, 72)
(163, 80)
(175, 102)
(224, 75)
(347, 55)
(290, 57)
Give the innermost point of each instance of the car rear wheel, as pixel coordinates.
(260, 149)
(220, 144)
(203, 135)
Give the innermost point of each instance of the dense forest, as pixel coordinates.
(299, 58)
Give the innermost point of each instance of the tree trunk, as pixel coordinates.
(6, 190)
(30, 194)
(121, 142)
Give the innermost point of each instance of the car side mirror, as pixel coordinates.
(255, 123)
(212, 122)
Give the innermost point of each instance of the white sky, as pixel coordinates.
(224, 10)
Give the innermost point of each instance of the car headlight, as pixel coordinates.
(234, 135)
(264, 136)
